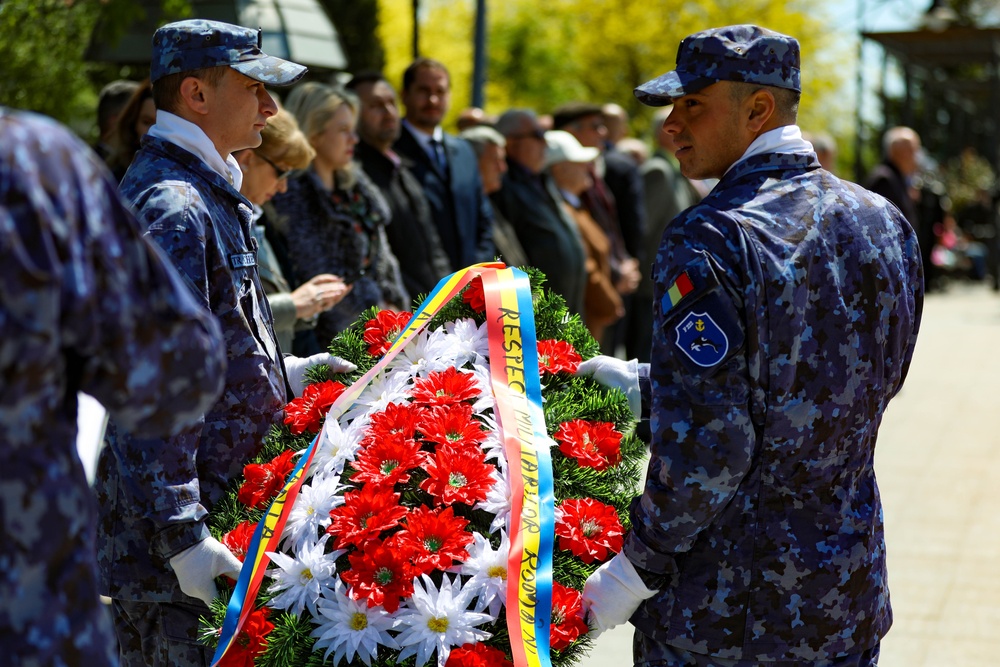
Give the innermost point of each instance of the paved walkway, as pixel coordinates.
(938, 465)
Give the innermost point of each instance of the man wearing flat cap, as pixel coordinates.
(157, 559)
(786, 309)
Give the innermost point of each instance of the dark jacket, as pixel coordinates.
(887, 180)
(460, 209)
(412, 235)
(546, 232)
(625, 183)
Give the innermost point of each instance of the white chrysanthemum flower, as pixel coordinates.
(467, 341)
(350, 628)
(383, 390)
(299, 581)
(497, 500)
(311, 512)
(486, 402)
(337, 445)
(488, 568)
(493, 445)
(437, 619)
(426, 352)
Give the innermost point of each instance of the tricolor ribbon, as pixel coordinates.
(510, 318)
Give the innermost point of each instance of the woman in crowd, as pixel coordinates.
(134, 122)
(265, 170)
(568, 163)
(333, 217)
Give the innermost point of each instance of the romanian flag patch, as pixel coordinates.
(681, 288)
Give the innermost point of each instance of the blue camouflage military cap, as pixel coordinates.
(745, 53)
(195, 44)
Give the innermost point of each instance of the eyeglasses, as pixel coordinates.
(278, 171)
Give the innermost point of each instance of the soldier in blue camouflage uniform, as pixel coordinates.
(86, 304)
(157, 558)
(785, 314)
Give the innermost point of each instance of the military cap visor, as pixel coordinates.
(186, 46)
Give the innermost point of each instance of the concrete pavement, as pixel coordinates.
(938, 466)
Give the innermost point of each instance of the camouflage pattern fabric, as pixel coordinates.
(154, 493)
(86, 304)
(786, 310)
(650, 653)
(194, 44)
(735, 53)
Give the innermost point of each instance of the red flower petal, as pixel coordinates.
(474, 295)
(451, 425)
(589, 529)
(238, 539)
(388, 460)
(458, 475)
(383, 329)
(364, 515)
(477, 655)
(438, 538)
(557, 356)
(445, 388)
(592, 444)
(567, 616)
(307, 412)
(251, 642)
(382, 573)
(264, 480)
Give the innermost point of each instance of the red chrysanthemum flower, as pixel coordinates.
(589, 529)
(251, 642)
(458, 475)
(306, 413)
(388, 460)
(397, 419)
(451, 425)
(438, 538)
(446, 387)
(567, 616)
(557, 356)
(594, 445)
(474, 295)
(264, 480)
(238, 539)
(383, 329)
(477, 655)
(364, 515)
(382, 572)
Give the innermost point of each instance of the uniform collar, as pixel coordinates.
(785, 139)
(171, 127)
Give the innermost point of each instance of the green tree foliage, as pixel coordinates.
(357, 24)
(542, 54)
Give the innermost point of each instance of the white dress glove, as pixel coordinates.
(296, 367)
(612, 594)
(197, 567)
(616, 374)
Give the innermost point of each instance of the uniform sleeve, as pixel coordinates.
(160, 475)
(148, 351)
(703, 439)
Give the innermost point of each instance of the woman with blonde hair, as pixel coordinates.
(333, 217)
(265, 170)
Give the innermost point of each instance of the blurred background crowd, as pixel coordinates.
(519, 139)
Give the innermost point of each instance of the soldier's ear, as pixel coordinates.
(192, 94)
(760, 108)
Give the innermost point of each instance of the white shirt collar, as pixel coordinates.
(423, 138)
(171, 127)
(785, 139)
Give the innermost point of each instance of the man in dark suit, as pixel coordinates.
(412, 234)
(445, 165)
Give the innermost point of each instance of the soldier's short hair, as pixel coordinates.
(167, 90)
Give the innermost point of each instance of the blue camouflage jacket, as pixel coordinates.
(786, 309)
(86, 304)
(155, 493)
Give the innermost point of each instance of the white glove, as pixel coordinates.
(612, 594)
(616, 374)
(296, 367)
(197, 567)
